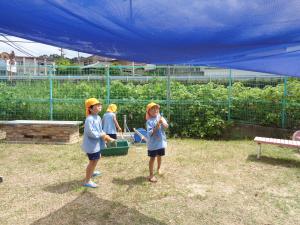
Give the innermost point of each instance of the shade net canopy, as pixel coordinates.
(257, 35)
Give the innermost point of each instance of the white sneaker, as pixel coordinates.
(90, 184)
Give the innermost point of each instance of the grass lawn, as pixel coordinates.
(204, 182)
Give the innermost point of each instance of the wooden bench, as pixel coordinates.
(41, 131)
(275, 141)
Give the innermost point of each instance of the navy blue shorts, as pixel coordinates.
(158, 152)
(114, 136)
(94, 156)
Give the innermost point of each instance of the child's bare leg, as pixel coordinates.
(90, 170)
(151, 165)
(158, 164)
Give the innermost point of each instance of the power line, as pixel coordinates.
(18, 41)
(15, 46)
(21, 47)
(17, 49)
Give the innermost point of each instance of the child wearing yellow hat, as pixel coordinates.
(110, 123)
(93, 139)
(157, 141)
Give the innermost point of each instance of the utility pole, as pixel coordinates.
(12, 61)
(61, 52)
(133, 72)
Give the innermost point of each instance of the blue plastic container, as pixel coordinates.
(137, 138)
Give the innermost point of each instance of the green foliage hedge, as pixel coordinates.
(194, 110)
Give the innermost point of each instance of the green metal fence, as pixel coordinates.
(192, 98)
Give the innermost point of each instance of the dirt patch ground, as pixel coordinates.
(204, 182)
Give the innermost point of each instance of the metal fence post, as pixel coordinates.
(107, 85)
(229, 95)
(168, 91)
(283, 109)
(51, 96)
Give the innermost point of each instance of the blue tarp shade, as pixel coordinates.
(258, 35)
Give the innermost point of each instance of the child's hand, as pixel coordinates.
(112, 144)
(158, 124)
(162, 120)
(120, 129)
(111, 140)
(107, 138)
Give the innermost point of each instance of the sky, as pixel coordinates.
(34, 48)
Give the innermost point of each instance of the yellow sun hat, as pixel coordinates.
(149, 106)
(112, 108)
(90, 102)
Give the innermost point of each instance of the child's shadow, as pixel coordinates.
(88, 208)
(64, 187)
(131, 182)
